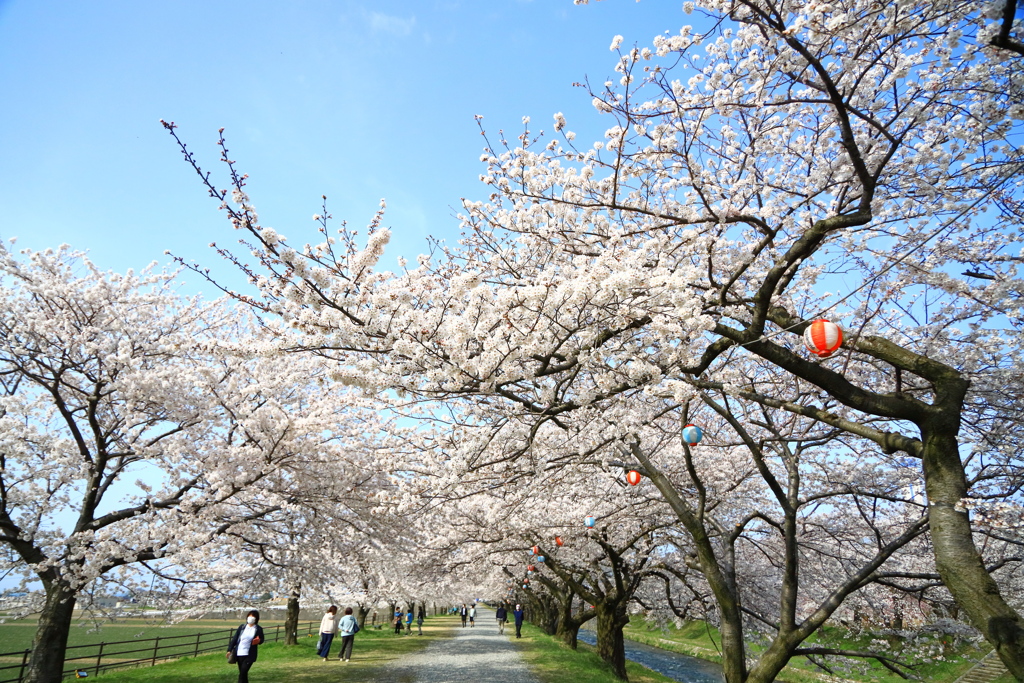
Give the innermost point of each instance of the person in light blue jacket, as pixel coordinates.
(348, 627)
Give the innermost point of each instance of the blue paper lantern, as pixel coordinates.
(692, 434)
(540, 558)
(590, 521)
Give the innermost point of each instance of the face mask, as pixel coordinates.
(251, 620)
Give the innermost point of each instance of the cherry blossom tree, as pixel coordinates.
(128, 426)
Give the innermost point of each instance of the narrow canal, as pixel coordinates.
(676, 666)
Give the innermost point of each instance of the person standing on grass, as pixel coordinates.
(502, 616)
(397, 623)
(472, 616)
(463, 612)
(328, 627)
(244, 644)
(518, 614)
(348, 628)
(419, 622)
(408, 622)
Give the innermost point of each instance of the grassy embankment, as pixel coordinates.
(552, 662)
(698, 640)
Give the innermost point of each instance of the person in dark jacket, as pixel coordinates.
(245, 644)
(463, 612)
(502, 616)
(518, 614)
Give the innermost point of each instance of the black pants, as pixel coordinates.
(245, 663)
(346, 647)
(463, 621)
(519, 625)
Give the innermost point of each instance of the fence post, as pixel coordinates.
(156, 647)
(24, 662)
(99, 658)
(196, 653)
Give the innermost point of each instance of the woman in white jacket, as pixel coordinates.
(328, 627)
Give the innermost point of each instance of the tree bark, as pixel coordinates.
(957, 558)
(291, 616)
(46, 665)
(611, 646)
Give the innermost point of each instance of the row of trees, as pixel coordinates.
(774, 163)
(414, 433)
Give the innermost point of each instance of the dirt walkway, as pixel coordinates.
(472, 655)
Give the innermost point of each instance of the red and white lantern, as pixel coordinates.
(535, 550)
(633, 477)
(558, 541)
(822, 338)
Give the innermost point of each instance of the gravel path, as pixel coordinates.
(473, 654)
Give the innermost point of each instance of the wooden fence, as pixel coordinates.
(134, 653)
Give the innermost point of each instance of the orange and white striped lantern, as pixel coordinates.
(822, 338)
(633, 477)
(558, 541)
(535, 550)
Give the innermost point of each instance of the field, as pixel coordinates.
(16, 635)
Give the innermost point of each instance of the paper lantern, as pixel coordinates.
(692, 434)
(633, 477)
(822, 338)
(590, 521)
(535, 550)
(558, 541)
(540, 558)
(530, 568)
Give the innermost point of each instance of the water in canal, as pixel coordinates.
(672, 664)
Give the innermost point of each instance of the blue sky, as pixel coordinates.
(356, 100)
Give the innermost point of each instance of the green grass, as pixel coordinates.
(17, 634)
(298, 663)
(699, 640)
(551, 661)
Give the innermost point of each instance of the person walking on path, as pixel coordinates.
(419, 622)
(518, 614)
(472, 616)
(244, 644)
(328, 627)
(463, 613)
(502, 616)
(466, 656)
(348, 628)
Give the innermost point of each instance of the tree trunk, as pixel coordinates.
(569, 634)
(362, 610)
(611, 646)
(956, 556)
(291, 616)
(46, 665)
